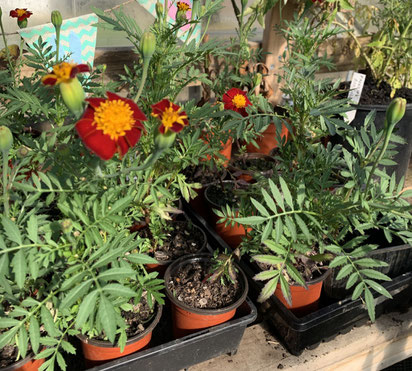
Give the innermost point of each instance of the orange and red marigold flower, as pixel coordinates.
(182, 6)
(236, 100)
(20, 14)
(170, 115)
(64, 73)
(110, 125)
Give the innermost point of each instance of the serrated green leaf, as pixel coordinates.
(7, 337)
(61, 362)
(275, 247)
(276, 195)
(86, 308)
(19, 268)
(34, 332)
(370, 304)
(268, 259)
(376, 275)
(260, 207)
(286, 193)
(6, 322)
(141, 259)
(48, 322)
(32, 228)
(116, 274)
(12, 231)
(250, 220)
(291, 227)
(266, 275)
(378, 288)
(75, 293)
(358, 290)
(23, 341)
(269, 201)
(352, 280)
(67, 347)
(107, 317)
(268, 290)
(339, 260)
(116, 289)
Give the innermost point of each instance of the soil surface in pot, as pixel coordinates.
(8, 355)
(201, 174)
(181, 239)
(256, 164)
(374, 94)
(191, 286)
(228, 195)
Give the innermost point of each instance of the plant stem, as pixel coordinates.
(57, 44)
(5, 193)
(146, 62)
(6, 48)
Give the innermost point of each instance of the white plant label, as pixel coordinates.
(355, 92)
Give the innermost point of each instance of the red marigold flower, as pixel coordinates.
(64, 72)
(110, 125)
(182, 6)
(170, 115)
(236, 100)
(20, 14)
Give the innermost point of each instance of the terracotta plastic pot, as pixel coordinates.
(98, 351)
(302, 298)
(267, 142)
(226, 151)
(249, 175)
(186, 319)
(25, 364)
(232, 235)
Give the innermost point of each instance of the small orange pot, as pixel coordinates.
(232, 235)
(302, 298)
(25, 364)
(98, 351)
(267, 142)
(187, 320)
(226, 150)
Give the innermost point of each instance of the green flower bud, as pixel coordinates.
(22, 23)
(22, 152)
(181, 16)
(159, 10)
(6, 139)
(164, 141)
(258, 79)
(395, 112)
(67, 225)
(56, 19)
(148, 45)
(73, 95)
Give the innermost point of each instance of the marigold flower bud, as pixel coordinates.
(258, 79)
(23, 151)
(73, 95)
(67, 225)
(395, 112)
(195, 9)
(22, 23)
(6, 138)
(56, 18)
(148, 45)
(159, 10)
(164, 141)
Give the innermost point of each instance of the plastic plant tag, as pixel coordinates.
(355, 92)
(150, 6)
(77, 37)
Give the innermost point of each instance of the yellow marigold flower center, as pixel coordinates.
(170, 116)
(182, 6)
(20, 12)
(239, 101)
(63, 71)
(114, 118)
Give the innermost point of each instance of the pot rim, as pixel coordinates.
(20, 363)
(215, 205)
(377, 107)
(133, 339)
(202, 257)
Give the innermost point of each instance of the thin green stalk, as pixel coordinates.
(5, 193)
(57, 44)
(146, 63)
(6, 48)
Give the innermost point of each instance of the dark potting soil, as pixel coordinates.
(379, 95)
(182, 239)
(201, 174)
(224, 196)
(257, 164)
(191, 286)
(8, 355)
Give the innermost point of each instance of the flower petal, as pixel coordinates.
(133, 136)
(160, 107)
(85, 127)
(100, 144)
(95, 102)
(49, 79)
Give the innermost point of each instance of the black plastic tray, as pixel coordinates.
(298, 331)
(189, 350)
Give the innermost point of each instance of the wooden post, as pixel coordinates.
(275, 44)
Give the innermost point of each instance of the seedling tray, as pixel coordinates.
(298, 331)
(187, 351)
